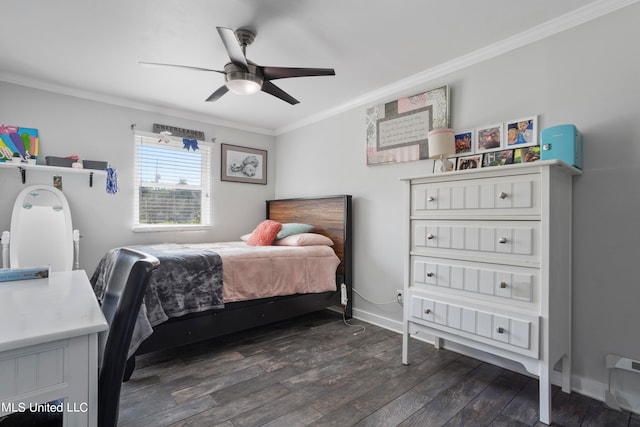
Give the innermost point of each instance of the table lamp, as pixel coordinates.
(442, 144)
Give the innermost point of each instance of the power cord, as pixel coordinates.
(395, 301)
(346, 322)
(398, 300)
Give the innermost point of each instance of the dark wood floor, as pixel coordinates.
(315, 370)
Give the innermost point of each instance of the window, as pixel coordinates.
(172, 184)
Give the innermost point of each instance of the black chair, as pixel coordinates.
(120, 304)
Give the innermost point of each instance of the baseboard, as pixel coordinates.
(584, 386)
(374, 319)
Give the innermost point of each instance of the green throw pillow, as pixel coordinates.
(292, 228)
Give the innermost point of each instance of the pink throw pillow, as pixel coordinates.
(265, 233)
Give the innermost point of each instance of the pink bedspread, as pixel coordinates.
(251, 272)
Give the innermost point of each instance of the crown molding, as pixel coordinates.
(127, 103)
(554, 26)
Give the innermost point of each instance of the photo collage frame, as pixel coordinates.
(496, 144)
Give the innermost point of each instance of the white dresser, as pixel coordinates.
(488, 265)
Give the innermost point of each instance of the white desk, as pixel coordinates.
(49, 345)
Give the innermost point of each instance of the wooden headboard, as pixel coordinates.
(331, 216)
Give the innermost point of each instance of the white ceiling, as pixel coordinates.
(91, 48)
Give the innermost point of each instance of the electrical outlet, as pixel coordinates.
(399, 295)
(343, 294)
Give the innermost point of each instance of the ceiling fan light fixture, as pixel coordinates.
(243, 82)
(243, 86)
(243, 77)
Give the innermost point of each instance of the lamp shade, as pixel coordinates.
(442, 143)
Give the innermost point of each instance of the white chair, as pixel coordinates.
(41, 231)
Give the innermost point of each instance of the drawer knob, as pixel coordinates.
(502, 240)
(430, 274)
(500, 330)
(430, 236)
(502, 195)
(503, 285)
(427, 311)
(430, 199)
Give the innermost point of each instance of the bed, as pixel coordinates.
(217, 316)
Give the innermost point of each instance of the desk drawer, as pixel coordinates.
(513, 195)
(32, 369)
(514, 332)
(492, 241)
(484, 280)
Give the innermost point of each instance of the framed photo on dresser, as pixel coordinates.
(464, 142)
(522, 132)
(498, 158)
(489, 138)
(469, 162)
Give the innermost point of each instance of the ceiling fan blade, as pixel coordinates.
(232, 46)
(217, 94)
(274, 90)
(272, 73)
(160, 65)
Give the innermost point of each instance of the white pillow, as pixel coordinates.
(304, 239)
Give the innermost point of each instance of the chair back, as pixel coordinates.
(121, 303)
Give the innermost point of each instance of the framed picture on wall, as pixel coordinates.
(397, 131)
(243, 164)
(489, 138)
(522, 132)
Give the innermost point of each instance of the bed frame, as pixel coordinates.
(331, 216)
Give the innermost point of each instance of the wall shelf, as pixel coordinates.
(22, 168)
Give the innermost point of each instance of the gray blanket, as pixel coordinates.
(186, 281)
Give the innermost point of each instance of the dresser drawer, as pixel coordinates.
(512, 195)
(491, 281)
(492, 241)
(514, 332)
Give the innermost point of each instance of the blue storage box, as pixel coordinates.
(562, 142)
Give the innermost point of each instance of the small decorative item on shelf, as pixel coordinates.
(563, 142)
(442, 144)
(61, 161)
(95, 164)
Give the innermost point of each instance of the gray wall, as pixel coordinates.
(587, 76)
(98, 131)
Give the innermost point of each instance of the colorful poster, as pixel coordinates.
(18, 141)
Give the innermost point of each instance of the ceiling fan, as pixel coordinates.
(244, 77)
